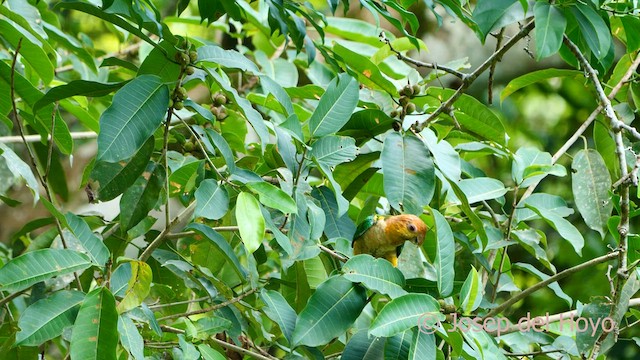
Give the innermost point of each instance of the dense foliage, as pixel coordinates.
(245, 140)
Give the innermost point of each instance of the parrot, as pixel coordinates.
(384, 236)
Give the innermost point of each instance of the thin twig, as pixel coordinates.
(623, 227)
(521, 295)
(492, 69)
(36, 138)
(224, 344)
(187, 212)
(419, 63)
(594, 114)
(212, 308)
(332, 253)
(470, 78)
(160, 306)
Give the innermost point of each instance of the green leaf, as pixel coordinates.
(46, 318)
(554, 286)
(227, 58)
(631, 23)
(591, 184)
(549, 204)
(594, 30)
(397, 347)
(30, 50)
(550, 25)
(75, 88)
(336, 225)
(480, 189)
(109, 18)
(565, 228)
(365, 124)
(39, 265)
(361, 346)
(335, 106)
(368, 73)
(136, 112)
(445, 254)
(108, 180)
(403, 313)
(138, 286)
(273, 197)
(409, 174)
(279, 310)
(535, 77)
(93, 336)
(212, 200)
(221, 244)
(21, 169)
(478, 226)
(251, 114)
(471, 292)
(250, 221)
(375, 274)
(161, 62)
(130, 337)
(142, 196)
(209, 354)
(91, 243)
(489, 14)
(423, 345)
(473, 115)
(444, 155)
(331, 310)
(333, 150)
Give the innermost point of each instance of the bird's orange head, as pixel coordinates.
(406, 227)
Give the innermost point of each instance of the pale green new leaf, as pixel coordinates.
(138, 286)
(273, 197)
(250, 221)
(471, 292)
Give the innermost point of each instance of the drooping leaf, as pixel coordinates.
(550, 26)
(75, 88)
(93, 336)
(46, 318)
(221, 243)
(212, 200)
(594, 30)
(490, 14)
(19, 168)
(142, 196)
(331, 310)
(375, 274)
(250, 221)
(363, 346)
(481, 189)
(333, 150)
(39, 265)
(445, 253)
(591, 182)
(92, 244)
(535, 77)
(336, 225)
(471, 292)
(409, 174)
(423, 345)
(335, 106)
(108, 180)
(227, 58)
(130, 337)
(403, 313)
(138, 286)
(279, 310)
(273, 197)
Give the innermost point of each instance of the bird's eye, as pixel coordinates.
(411, 227)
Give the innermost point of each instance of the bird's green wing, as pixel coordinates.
(365, 225)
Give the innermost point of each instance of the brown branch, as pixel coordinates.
(521, 295)
(470, 78)
(492, 69)
(332, 253)
(187, 212)
(212, 308)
